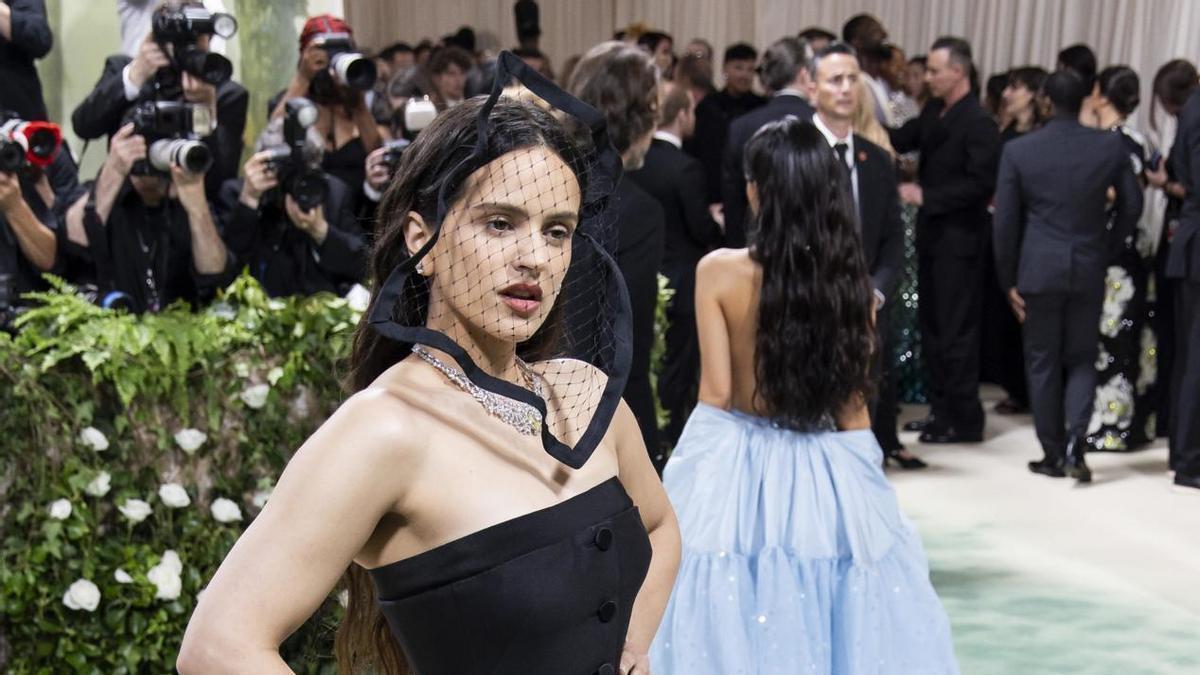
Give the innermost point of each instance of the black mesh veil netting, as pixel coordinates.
(518, 253)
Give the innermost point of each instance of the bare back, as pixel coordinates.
(728, 286)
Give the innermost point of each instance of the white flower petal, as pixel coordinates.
(83, 594)
(358, 298)
(255, 396)
(60, 509)
(100, 485)
(174, 495)
(122, 577)
(260, 498)
(135, 510)
(226, 511)
(190, 439)
(94, 439)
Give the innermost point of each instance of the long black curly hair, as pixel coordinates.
(815, 328)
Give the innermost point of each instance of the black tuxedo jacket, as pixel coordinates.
(959, 153)
(1183, 257)
(676, 181)
(101, 112)
(733, 178)
(879, 215)
(21, 91)
(1051, 230)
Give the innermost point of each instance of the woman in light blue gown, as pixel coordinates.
(796, 558)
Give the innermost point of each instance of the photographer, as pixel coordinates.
(31, 198)
(336, 78)
(160, 71)
(150, 233)
(292, 250)
(24, 36)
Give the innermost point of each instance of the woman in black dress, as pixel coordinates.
(1126, 368)
(472, 546)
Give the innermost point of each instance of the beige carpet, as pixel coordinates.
(1040, 575)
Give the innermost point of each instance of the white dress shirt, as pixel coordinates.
(669, 137)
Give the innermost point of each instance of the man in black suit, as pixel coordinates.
(835, 90)
(717, 110)
(959, 145)
(126, 81)
(676, 181)
(1052, 250)
(784, 72)
(1183, 266)
(621, 82)
(24, 36)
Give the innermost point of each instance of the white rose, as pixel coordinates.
(255, 396)
(225, 511)
(260, 498)
(94, 439)
(82, 594)
(358, 298)
(173, 495)
(166, 580)
(122, 577)
(276, 305)
(99, 485)
(135, 510)
(223, 310)
(273, 375)
(60, 509)
(170, 560)
(190, 439)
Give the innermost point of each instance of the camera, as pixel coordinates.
(24, 144)
(347, 67)
(393, 150)
(176, 29)
(298, 176)
(172, 130)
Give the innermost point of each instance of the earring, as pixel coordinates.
(420, 269)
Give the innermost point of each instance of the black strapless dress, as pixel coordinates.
(547, 592)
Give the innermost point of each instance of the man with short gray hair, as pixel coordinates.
(784, 71)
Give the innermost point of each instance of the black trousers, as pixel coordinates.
(883, 366)
(1061, 343)
(1185, 382)
(1002, 359)
(950, 313)
(679, 381)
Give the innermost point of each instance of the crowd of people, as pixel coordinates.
(776, 209)
(920, 136)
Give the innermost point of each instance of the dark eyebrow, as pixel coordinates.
(517, 212)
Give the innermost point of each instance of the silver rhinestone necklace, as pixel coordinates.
(520, 416)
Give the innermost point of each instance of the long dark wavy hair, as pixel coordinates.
(364, 643)
(815, 330)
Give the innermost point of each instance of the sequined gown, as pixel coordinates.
(796, 558)
(1127, 363)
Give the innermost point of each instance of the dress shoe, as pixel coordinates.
(1187, 484)
(1010, 406)
(1074, 464)
(1050, 466)
(908, 463)
(950, 435)
(919, 425)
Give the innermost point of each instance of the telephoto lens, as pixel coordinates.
(25, 143)
(189, 155)
(353, 70)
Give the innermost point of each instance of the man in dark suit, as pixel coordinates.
(718, 109)
(1052, 250)
(676, 181)
(24, 36)
(126, 81)
(784, 72)
(1183, 266)
(835, 90)
(959, 145)
(620, 81)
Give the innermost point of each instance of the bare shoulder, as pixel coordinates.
(725, 268)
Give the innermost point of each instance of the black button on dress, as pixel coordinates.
(547, 592)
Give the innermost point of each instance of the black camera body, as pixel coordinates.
(298, 177)
(177, 29)
(173, 130)
(25, 144)
(347, 66)
(393, 150)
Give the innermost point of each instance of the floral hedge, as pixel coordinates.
(134, 451)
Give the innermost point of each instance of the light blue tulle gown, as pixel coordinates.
(796, 558)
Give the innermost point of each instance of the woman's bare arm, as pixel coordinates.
(644, 487)
(327, 503)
